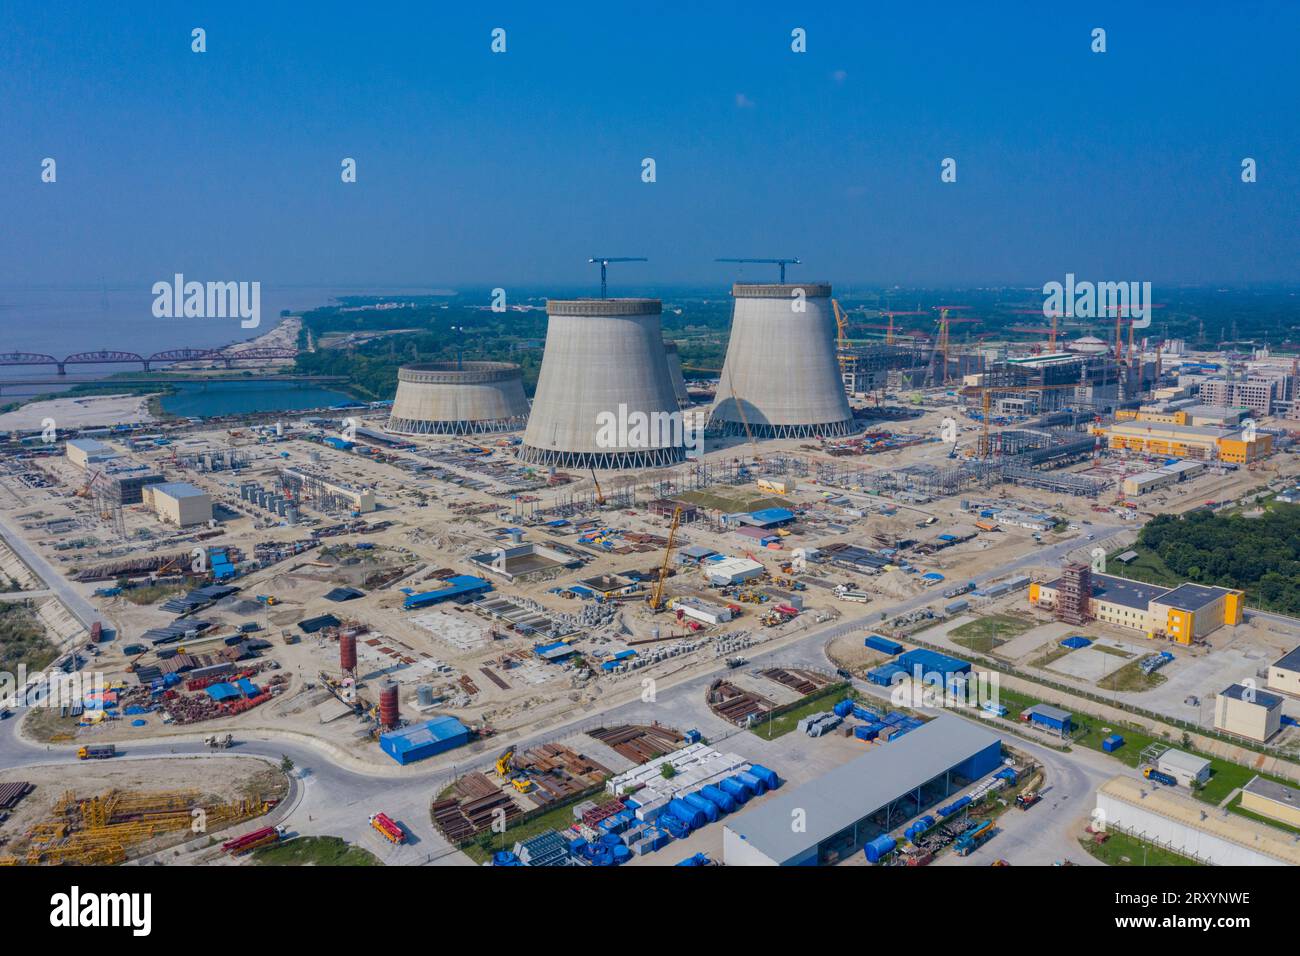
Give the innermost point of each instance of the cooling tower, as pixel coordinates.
(604, 398)
(675, 375)
(446, 398)
(780, 376)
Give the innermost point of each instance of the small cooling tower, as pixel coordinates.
(348, 652)
(388, 709)
(780, 376)
(451, 398)
(675, 375)
(604, 397)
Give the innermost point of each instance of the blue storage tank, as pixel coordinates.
(769, 777)
(621, 854)
(735, 789)
(880, 846)
(844, 708)
(753, 784)
(704, 806)
(720, 798)
(505, 858)
(687, 814)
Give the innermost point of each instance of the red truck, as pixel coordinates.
(251, 841)
(389, 830)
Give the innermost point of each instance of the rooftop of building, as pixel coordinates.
(1250, 695)
(1132, 594)
(1193, 597)
(179, 489)
(857, 789)
(1290, 661)
(1272, 790)
(1187, 811)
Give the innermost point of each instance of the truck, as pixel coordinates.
(389, 830)
(251, 841)
(976, 836)
(959, 590)
(1027, 798)
(1151, 773)
(217, 742)
(102, 752)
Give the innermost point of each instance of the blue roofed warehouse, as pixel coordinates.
(420, 741)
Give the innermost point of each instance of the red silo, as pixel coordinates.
(388, 705)
(348, 652)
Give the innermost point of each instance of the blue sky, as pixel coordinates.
(477, 168)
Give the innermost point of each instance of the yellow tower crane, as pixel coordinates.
(657, 597)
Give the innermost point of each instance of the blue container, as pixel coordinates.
(704, 806)
(753, 784)
(1112, 743)
(844, 708)
(621, 854)
(769, 777)
(879, 847)
(866, 731)
(718, 797)
(883, 644)
(675, 827)
(735, 789)
(611, 839)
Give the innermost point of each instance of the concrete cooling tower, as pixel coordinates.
(780, 376)
(675, 375)
(450, 398)
(604, 397)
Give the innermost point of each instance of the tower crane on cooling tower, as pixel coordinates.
(657, 598)
(604, 264)
(773, 262)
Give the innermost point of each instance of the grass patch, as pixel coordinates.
(1051, 657)
(1113, 651)
(153, 593)
(1130, 677)
(1147, 566)
(782, 724)
(1124, 850)
(314, 851)
(480, 851)
(23, 641)
(990, 632)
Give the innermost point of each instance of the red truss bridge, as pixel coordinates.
(226, 356)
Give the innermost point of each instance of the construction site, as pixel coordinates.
(408, 584)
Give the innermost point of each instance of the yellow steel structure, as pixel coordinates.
(986, 402)
(657, 598)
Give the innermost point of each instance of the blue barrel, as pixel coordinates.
(878, 847)
(735, 788)
(505, 858)
(844, 708)
(704, 806)
(769, 777)
(621, 855)
(753, 784)
(689, 815)
(719, 798)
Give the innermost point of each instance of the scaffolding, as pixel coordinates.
(1073, 594)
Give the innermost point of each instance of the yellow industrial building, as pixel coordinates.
(1183, 614)
(1273, 800)
(1186, 441)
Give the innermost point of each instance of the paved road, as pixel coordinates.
(337, 800)
(53, 578)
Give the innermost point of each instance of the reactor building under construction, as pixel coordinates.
(781, 378)
(458, 398)
(605, 398)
